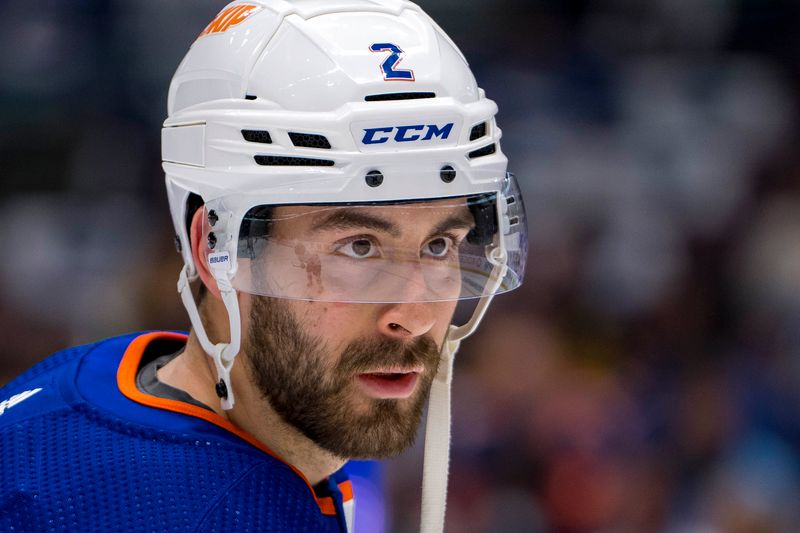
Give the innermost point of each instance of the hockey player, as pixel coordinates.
(337, 187)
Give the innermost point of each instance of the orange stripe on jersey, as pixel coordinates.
(347, 490)
(326, 503)
(229, 17)
(126, 381)
(326, 506)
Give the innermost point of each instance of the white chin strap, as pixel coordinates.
(437, 429)
(222, 353)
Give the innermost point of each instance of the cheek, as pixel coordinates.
(339, 323)
(333, 322)
(310, 315)
(444, 317)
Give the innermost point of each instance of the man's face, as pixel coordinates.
(352, 377)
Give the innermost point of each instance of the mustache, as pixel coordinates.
(366, 354)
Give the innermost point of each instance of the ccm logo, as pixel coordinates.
(404, 134)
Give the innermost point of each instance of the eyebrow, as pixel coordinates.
(350, 219)
(453, 222)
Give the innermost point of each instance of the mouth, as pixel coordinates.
(389, 383)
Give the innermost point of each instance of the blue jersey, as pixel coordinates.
(84, 450)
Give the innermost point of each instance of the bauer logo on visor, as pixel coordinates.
(228, 18)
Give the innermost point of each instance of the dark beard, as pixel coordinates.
(288, 367)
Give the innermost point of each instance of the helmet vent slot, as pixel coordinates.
(481, 152)
(398, 96)
(309, 140)
(257, 136)
(286, 161)
(478, 131)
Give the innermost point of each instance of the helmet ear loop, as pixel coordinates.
(221, 268)
(223, 354)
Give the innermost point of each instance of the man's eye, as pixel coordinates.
(438, 247)
(358, 249)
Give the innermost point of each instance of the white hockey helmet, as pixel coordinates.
(343, 105)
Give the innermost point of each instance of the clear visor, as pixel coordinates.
(421, 251)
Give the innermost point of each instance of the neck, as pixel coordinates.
(193, 372)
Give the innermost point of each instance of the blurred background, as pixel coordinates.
(646, 377)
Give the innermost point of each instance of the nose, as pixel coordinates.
(406, 321)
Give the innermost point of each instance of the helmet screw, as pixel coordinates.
(212, 241)
(178, 245)
(213, 218)
(374, 178)
(222, 389)
(448, 174)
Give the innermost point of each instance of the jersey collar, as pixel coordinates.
(126, 381)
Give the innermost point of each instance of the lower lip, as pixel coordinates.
(396, 386)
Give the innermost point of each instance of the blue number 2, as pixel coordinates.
(388, 66)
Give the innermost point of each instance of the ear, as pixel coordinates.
(200, 252)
